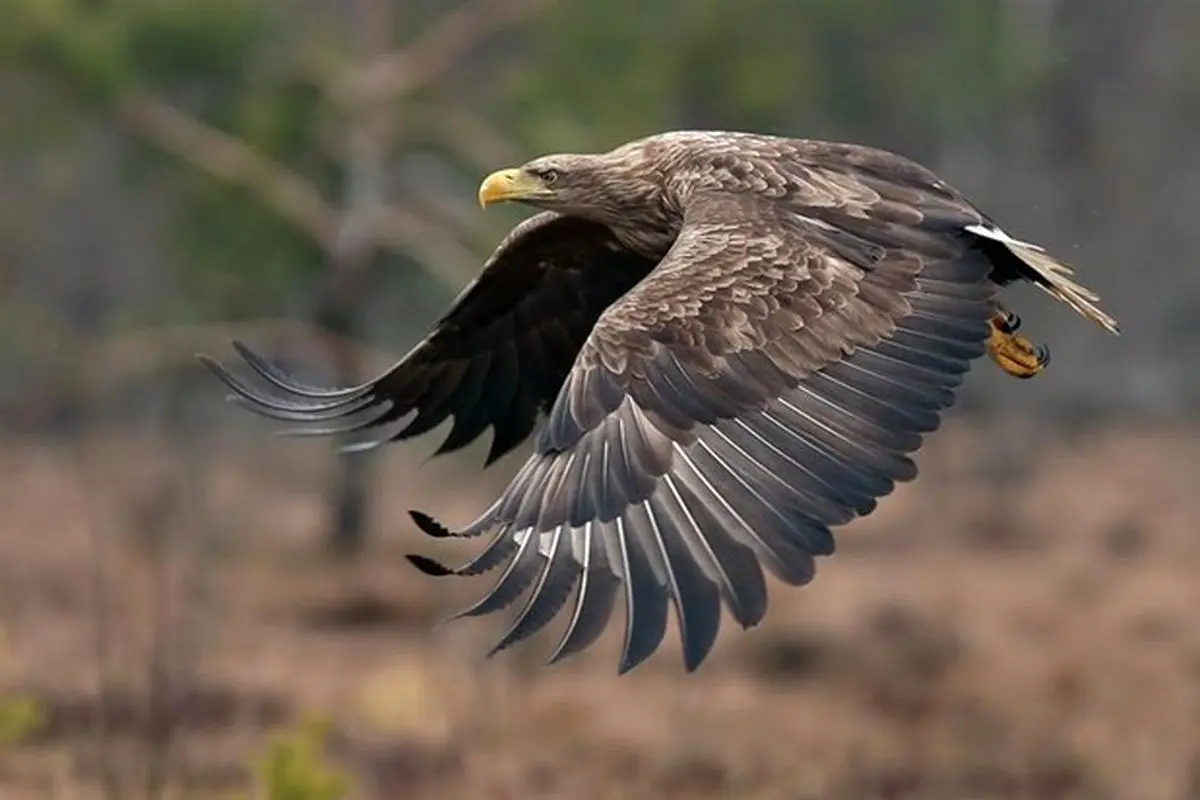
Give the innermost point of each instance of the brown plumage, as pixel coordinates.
(738, 341)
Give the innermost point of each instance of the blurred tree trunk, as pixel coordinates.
(353, 252)
(350, 490)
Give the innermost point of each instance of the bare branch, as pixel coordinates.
(468, 135)
(432, 246)
(453, 212)
(231, 159)
(434, 52)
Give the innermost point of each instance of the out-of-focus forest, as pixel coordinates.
(191, 607)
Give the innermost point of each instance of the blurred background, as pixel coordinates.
(192, 608)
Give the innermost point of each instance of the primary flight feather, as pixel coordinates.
(737, 342)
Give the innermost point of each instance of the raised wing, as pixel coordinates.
(496, 358)
(767, 381)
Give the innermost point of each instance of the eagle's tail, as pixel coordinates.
(1053, 276)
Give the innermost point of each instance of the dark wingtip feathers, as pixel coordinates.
(430, 526)
(429, 566)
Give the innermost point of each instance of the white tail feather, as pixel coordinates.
(1056, 276)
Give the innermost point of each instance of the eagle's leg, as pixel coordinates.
(1016, 355)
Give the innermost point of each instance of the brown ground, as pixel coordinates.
(1020, 623)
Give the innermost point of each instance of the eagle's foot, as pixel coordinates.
(1016, 355)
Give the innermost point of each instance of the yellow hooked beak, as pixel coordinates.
(510, 184)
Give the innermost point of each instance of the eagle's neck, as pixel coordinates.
(643, 219)
(649, 236)
(630, 198)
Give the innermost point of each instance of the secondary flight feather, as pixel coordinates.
(737, 343)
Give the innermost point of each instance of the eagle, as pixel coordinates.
(728, 345)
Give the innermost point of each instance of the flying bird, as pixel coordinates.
(732, 343)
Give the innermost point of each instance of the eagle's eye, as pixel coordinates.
(547, 175)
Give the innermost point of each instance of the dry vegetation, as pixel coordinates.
(1018, 624)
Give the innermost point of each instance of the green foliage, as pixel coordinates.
(294, 768)
(233, 252)
(218, 61)
(101, 49)
(21, 715)
(903, 72)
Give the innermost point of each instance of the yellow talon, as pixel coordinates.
(1016, 355)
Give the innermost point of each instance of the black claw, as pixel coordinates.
(430, 526)
(429, 566)
(1043, 354)
(1011, 322)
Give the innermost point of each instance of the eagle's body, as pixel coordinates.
(738, 341)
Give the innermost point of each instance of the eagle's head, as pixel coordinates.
(603, 187)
